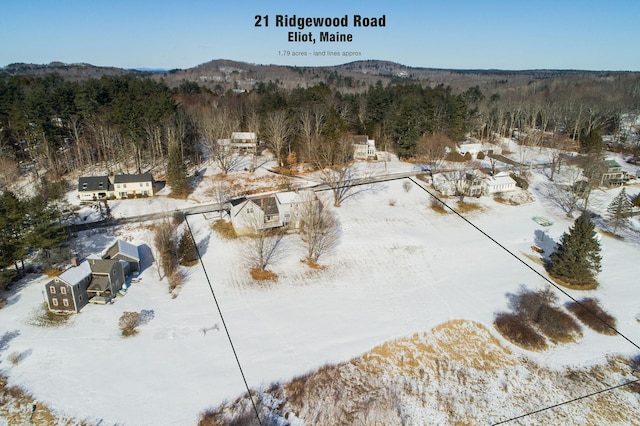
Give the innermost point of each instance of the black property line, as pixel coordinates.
(567, 402)
(224, 323)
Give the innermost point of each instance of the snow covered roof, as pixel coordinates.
(288, 197)
(243, 135)
(502, 178)
(124, 248)
(75, 274)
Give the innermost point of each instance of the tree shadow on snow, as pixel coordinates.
(545, 242)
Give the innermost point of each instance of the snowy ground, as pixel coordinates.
(398, 270)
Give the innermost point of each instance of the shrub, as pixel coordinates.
(392, 202)
(480, 155)
(591, 314)
(175, 280)
(262, 274)
(557, 325)
(520, 182)
(187, 251)
(406, 185)
(455, 156)
(636, 201)
(178, 217)
(128, 323)
(516, 329)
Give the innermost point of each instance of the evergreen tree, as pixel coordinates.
(619, 209)
(576, 259)
(177, 171)
(186, 251)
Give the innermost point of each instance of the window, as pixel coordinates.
(52, 289)
(84, 186)
(54, 301)
(63, 290)
(124, 185)
(65, 302)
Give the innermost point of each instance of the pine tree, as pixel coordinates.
(619, 209)
(187, 251)
(576, 259)
(176, 171)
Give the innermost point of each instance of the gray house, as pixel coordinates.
(91, 188)
(94, 280)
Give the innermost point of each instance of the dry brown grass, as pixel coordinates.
(225, 229)
(19, 408)
(518, 331)
(438, 207)
(52, 272)
(589, 286)
(466, 207)
(591, 314)
(263, 275)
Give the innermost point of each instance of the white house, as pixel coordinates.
(500, 182)
(130, 186)
(363, 148)
(267, 211)
(92, 188)
(244, 142)
(475, 148)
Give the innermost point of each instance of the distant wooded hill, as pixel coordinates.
(222, 75)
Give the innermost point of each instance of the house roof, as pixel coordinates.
(612, 164)
(123, 248)
(288, 197)
(243, 135)
(268, 204)
(131, 178)
(360, 139)
(75, 274)
(98, 283)
(101, 266)
(501, 178)
(94, 183)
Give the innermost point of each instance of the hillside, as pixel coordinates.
(353, 76)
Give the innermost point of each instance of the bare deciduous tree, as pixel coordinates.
(277, 132)
(319, 230)
(264, 245)
(335, 161)
(434, 148)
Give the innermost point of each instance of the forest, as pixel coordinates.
(52, 129)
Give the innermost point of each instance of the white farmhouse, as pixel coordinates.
(500, 182)
(363, 148)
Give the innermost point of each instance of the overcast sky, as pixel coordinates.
(462, 34)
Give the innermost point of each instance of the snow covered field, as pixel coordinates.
(398, 270)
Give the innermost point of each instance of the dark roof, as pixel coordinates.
(238, 201)
(98, 283)
(268, 204)
(144, 177)
(101, 266)
(124, 249)
(94, 183)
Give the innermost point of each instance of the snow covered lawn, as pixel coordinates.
(399, 270)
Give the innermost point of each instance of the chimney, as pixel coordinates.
(75, 261)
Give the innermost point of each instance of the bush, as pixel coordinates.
(636, 201)
(520, 182)
(557, 325)
(515, 328)
(591, 314)
(128, 323)
(406, 185)
(455, 156)
(480, 155)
